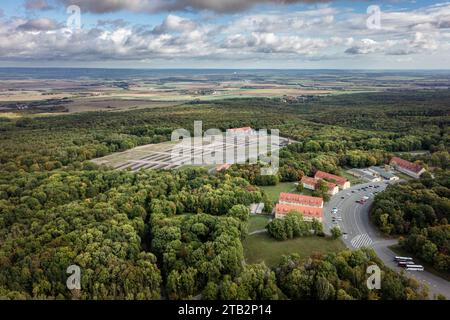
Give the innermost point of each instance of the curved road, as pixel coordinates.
(359, 232)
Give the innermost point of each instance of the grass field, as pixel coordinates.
(273, 192)
(257, 222)
(401, 252)
(262, 248)
(403, 176)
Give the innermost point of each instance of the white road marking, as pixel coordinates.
(361, 240)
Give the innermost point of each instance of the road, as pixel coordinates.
(359, 232)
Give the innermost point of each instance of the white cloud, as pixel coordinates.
(321, 33)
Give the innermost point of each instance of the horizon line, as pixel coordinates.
(214, 68)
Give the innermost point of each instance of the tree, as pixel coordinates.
(429, 250)
(240, 212)
(336, 232)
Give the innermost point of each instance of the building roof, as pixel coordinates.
(309, 180)
(223, 167)
(306, 211)
(385, 174)
(328, 176)
(405, 164)
(313, 182)
(240, 130)
(301, 199)
(257, 208)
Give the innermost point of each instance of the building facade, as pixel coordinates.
(310, 207)
(311, 184)
(409, 168)
(340, 181)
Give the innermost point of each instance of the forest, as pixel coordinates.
(178, 234)
(150, 235)
(419, 210)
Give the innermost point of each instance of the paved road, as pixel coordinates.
(257, 232)
(360, 232)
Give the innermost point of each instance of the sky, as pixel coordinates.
(286, 34)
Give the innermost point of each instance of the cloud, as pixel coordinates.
(322, 33)
(38, 25)
(114, 23)
(174, 23)
(220, 6)
(37, 5)
(420, 43)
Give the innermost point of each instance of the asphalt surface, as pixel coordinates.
(353, 220)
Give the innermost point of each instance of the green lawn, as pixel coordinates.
(273, 192)
(257, 222)
(403, 176)
(261, 247)
(401, 252)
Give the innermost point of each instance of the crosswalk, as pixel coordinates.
(361, 240)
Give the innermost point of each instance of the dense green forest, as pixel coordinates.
(341, 277)
(177, 234)
(420, 211)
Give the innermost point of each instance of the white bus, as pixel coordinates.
(405, 263)
(398, 259)
(414, 267)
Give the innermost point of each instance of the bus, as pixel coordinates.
(414, 267)
(405, 263)
(398, 259)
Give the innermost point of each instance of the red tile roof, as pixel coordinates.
(240, 130)
(222, 167)
(301, 199)
(406, 164)
(310, 181)
(306, 211)
(313, 182)
(331, 177)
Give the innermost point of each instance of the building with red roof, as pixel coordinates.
(340, 181)
(299, 199)
(311, 184)
(223, 167)
(241, 131)
(308, 213)
(409, 168)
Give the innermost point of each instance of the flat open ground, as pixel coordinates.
(94, 94)
(174, 155)
(258, 222)
(262, 248)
